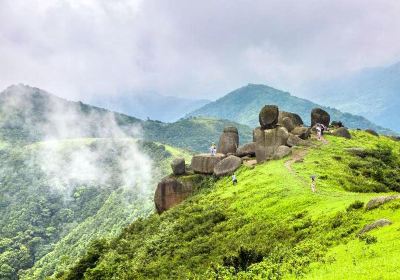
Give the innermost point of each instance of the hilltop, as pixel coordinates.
(242, 106)
(270, 224)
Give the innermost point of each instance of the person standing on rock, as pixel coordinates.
(213, 149)
(313, 184)
(234, 179)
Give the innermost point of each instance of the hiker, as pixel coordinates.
(313, 187)
(323, 128)
(213, 149)
(319, 131)
(234, 180)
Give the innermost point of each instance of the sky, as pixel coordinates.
(81, 49)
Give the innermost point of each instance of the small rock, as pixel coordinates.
(295, 140)
(281, 152)
(342, 132)
(301, 131)
(178, 166)
(378, 201)
(376, 224)
(227, 166)
(248, 149)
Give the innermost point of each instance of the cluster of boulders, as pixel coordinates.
(278, 132)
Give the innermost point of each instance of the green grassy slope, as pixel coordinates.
(269, 226)
(243, 106)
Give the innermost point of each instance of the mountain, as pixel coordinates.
(373, 93)
(243, 105)
(30, 114)
(151, 106)
(270, 225)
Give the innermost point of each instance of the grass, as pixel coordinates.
(271, 212)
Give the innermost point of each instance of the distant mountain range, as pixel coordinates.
(151, 106)
(243, 106)
(373, 93)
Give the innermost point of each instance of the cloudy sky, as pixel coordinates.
(199, 49)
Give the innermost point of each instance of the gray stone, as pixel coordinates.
(376, 224)
(320, 116)
(342, 132)
(229, 141)
(227, 166)
(295, 140)
(248, 149)
(295, 118)
(378, 201)
(288, 124)
(205, 163)
(268, 116)
(267, 141)
(301, 131)
(178, 166)
(281, 152)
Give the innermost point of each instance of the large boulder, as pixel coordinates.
(267, 141)
(178, 166)
(227, 166)
(248, 149)
(268, 116)
(229, 140)
(295, 140)
(320, 116)
(342, 132)
(170, 192)
(302, 132)
(281, 152)
(288, 124)
(376, 224)
(296, 119)
(205, 163)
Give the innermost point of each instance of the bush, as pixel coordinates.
(355, 205)
(368, 239)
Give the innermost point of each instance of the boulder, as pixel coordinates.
(170, 192)
(267, 141)
(178, 166)
(288, 124)
(336, 124)
(371, 131)
(380, 200)
(295, 140)
(302, 132)
(248, 149)
(268, 116)
(227, 166)
(296, 119)
(342, 132)
(376, 224)
(229, 140)
(205, 163)
(281, 152)
(320, 116)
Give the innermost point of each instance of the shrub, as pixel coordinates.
(355, 205)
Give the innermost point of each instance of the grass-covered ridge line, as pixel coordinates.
(269, 226)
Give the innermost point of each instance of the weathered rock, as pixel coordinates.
(302, 132)
(281, 152)
(229, 140)
(342, 132)
(336, 124)
(295, 118)
(295, 140)
(376, 224)
(380, 200)
(250, 163)
(267, 141)
(170, 192)
(288, 124)
(227, 166)
(178, 166)
(371, 131)
(205, 163)
(320, 116)
(248, 149)
(268, 116)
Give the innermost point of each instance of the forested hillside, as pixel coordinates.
(242, 106)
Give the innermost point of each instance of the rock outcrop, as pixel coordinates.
(288, 124)
(302, 132)
(342, 132)
(295, 140)
(295, 118)
(227, 166)
(170, 192)
(248, 149)
(267, 141)
(205, 163)
(281, 152)
(320, 116)
(376, 224)
(229, 141)
(380, 200)
(268, 116)
(178, 166)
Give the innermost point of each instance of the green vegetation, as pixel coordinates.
(243, 105)
(269, 226)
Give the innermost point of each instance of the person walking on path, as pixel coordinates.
(313, 184)
(234, 179)
(319, 131)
